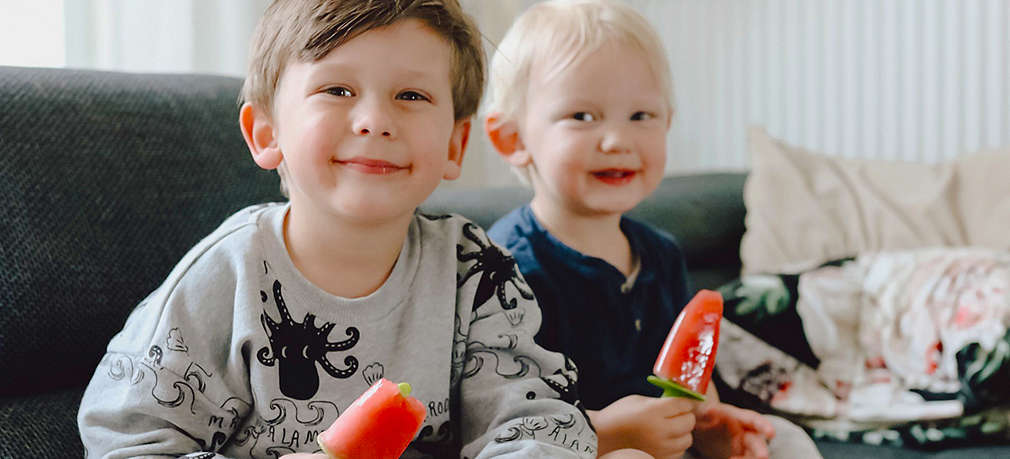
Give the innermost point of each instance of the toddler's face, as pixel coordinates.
(596, 132)
(367, 132)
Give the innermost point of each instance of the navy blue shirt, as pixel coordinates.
(612, 335)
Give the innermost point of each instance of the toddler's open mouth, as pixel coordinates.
(614, 176)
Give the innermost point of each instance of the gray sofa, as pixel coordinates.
(110, 178)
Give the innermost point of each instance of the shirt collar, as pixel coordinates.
(589, 266)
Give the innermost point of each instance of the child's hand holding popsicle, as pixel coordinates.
(662, 426)
(684, 369)
(658, 426)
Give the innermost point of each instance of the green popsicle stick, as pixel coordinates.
(674, 389)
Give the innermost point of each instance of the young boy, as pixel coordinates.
(275, 323)
(581, 102)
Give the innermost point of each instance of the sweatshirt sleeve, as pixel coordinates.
(518, 399)
(169, 383)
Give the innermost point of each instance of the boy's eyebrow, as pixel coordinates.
(341, 68)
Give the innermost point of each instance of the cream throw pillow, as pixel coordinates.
(804, 208)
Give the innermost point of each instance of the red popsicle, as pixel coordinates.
(379, 424)
(684, 366)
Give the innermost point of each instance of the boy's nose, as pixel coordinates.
(366, 131)
(372, 119)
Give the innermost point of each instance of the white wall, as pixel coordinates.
(921, 80)
(917, 80)
(158, 36)
(31, 33)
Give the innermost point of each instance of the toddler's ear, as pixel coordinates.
(258, 131)
(504, 135)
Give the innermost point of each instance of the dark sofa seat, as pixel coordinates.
(110, 178)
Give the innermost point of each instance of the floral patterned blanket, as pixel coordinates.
(905, 348)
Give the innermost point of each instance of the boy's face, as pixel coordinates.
(367, 132)
(596, 132)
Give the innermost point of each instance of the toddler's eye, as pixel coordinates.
(641, 116)
(583, 116)
(339, 91)
(411, 95)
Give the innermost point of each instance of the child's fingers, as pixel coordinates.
(675, 406)
(681, 424)
(763, 426)
(755, 446)
(756, 422)
(751, 420)
(768, 430)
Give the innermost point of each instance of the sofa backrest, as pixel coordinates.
(108, 178)
(704, 212)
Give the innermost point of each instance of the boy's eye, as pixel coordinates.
(339, 91)
(411, 95)
(583, 116)
(641, 116)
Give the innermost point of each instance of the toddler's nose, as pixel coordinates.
(615, 141)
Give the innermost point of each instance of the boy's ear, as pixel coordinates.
(258, 131)
(457, 146)
(504, 135)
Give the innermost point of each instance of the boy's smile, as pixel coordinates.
(371, 166)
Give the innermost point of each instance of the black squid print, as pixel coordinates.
(568, 391)
(298, 346)
(496, 268)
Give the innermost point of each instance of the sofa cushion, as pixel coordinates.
(903, 347)
(834, 450)
(45, 421)
(805, 208)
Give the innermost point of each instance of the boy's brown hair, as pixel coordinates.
(307, 30)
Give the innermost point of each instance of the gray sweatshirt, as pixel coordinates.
(237, 354)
